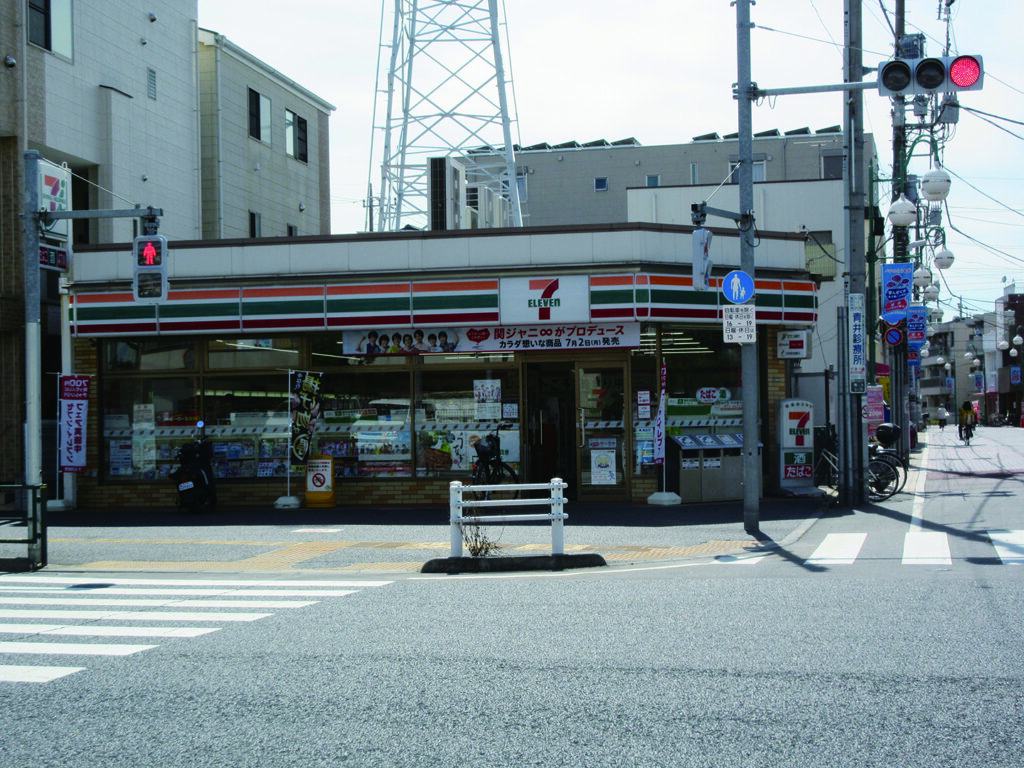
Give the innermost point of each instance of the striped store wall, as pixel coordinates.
(628, 297)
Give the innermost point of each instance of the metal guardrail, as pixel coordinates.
(555, 502)
(27, 507)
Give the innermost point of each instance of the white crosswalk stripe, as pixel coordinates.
(42, 608)
(920, 547)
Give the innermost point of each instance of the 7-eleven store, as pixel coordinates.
(425, 342)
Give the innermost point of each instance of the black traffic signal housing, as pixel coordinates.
(933, 74)
(149, 257)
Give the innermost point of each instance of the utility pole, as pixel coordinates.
(748, 352)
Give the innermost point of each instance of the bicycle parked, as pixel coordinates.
(886, 437)
(490, 470)
(881, 476)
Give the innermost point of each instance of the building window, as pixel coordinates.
(293, 231)
(600, 183)
(652, 180)
(259, 116)
(832, 166)
(151, 83)
(295, 135)
(255, 226)
(758, 171)
(693, 173)
(49, 25)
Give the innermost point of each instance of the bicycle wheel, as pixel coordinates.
(902, 470)
(504, 475)
(882, 480)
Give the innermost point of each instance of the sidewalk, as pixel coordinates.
(346, 539)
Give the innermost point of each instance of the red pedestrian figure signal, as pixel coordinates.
(149, 253)
(149, 283)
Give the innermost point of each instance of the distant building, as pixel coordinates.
(143, 108)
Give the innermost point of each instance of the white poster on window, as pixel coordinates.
(602, 467)
(487, 399)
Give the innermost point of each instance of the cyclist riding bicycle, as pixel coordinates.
(968, 418)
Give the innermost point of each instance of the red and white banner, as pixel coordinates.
(74, 406)
(659, 422)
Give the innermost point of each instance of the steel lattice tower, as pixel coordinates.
(444, 81)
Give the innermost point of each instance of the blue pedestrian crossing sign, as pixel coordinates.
(738, 287)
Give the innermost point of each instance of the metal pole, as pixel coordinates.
(455, 513)
(748, 359)
(33, 364)
(557, 523)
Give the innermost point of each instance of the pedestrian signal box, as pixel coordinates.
(149, 281)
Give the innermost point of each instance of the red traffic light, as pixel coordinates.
(965, 71)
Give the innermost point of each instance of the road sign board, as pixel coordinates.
(739, 325)
(893, 336)
(738, 287)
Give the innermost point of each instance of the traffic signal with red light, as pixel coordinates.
(936, 74)
(149, 257)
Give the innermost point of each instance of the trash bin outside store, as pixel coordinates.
(711, 467)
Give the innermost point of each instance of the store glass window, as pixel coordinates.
(269, 352)
(163, 354)
(139, 416)
(366, 424)
(248, 423)
(459, 408)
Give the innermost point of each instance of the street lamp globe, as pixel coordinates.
(902, 213)
(940, 360)
(948, 366)
(922, 277)
(975, 362)
(1017, 340)
(1013, 352)
(943, 259)
(1003, 345)
(931, 293)
(935, 184)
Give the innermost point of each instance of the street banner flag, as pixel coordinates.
(305, 408)
(659, 423)
(74, 407)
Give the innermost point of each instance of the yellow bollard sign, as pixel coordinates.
(320, 481)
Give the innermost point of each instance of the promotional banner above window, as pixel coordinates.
(504, 338)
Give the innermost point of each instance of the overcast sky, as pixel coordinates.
(662, 71)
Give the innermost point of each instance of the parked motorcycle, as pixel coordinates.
(194, 475)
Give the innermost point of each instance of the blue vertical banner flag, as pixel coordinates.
(897, 284)
(917, 326)
(1015, 375)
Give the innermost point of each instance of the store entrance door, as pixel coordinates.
(602, 447)
(576, 428)
(550, 437)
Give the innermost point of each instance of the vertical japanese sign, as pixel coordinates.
(858, 344)
(74, 406)
(305, 408)
(659, 421)
(55, 195)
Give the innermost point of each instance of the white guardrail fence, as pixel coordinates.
(555, 503)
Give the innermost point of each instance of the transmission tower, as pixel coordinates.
(443, 79)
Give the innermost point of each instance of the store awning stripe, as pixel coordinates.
(436, 303)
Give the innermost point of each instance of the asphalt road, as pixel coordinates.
(855, 642)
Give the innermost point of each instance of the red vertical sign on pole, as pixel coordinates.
(659, 421)
(74, 405)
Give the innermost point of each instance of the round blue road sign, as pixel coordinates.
(738, 287)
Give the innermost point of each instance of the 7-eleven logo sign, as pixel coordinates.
(546, 300)
(797, 428)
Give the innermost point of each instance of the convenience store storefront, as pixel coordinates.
(569, 361)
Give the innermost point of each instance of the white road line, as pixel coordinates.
(98, 579)
(838, 549)
(739, 559)
(74, 649)
(926, 548)
(128, 602)
(13, 673)
(917, 508)
(187, 592)
(104, 631)
(12, 613)
(1009, 545)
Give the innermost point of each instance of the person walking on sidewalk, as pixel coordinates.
(943, 415)
(968, 419)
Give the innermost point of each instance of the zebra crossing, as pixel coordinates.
(919, 547)
(65, 616)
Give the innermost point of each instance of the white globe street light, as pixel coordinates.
(902, 213)
(943, 259)
(935, 184)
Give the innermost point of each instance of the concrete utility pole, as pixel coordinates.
(748, 359)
